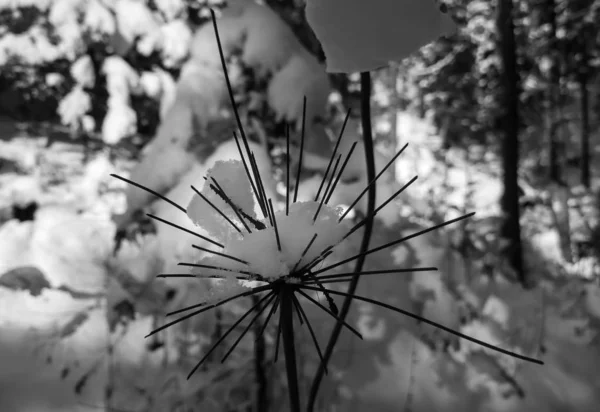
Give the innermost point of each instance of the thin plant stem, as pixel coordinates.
(278, 338)
(365, 88)
(289, 348)
(287, 166)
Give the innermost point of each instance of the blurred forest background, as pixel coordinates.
(501, 118)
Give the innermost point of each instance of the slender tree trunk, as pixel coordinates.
(585, 133)
(511, 228)
(552, 111)
(585, 120)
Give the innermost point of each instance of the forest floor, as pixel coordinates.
(53, 346)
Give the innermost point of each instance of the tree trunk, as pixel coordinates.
(552, 111)
(511, 228)
(585, 121)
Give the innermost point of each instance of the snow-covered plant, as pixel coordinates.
(272, 252)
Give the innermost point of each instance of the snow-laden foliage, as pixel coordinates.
(120, 121)
(171, 9)
(74, 107)
(98, 20)
(31, 47)
(142, 50)
(82, 71)
(135, 19)
(175, 42)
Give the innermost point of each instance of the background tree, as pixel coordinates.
(510, 145)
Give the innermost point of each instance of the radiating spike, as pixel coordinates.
(230, 92)
(261, 186)
(330, 300)
(337, 163)
(230, 203)
(339, 176)
(312, 333)
(307, 296)
(222, 338)
(395, 242)
(247, 328)
(366, 189)
(424, 320)
(384, 204)
(216, 209)
(219, 254)
(324, 278)
(337, 144)
(152, 192)
(273, 309)
(277, 340)
(200, 265)
(297, 306)
(250, 178)
(299, 171)
(275, 225)
(206, 307)
(304, 252)
(185, 230)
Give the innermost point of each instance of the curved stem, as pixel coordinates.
(287, 334)
(365, 88)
